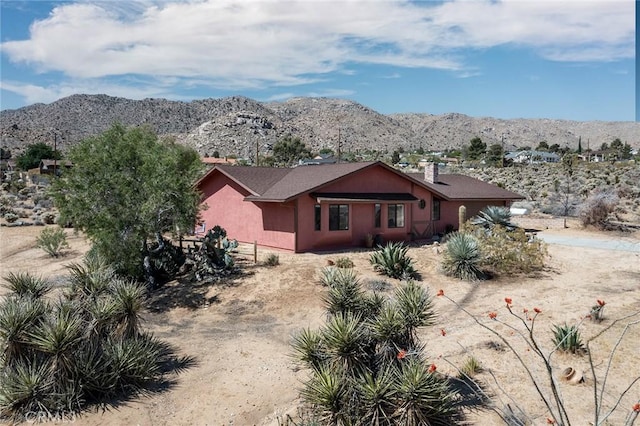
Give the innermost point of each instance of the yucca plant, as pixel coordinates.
(347, 339)
(345, 295)
(376, 396)
(24, 284)
(135, 361)
(309, 348)
(129, 300)
(392, 260)
(26, 385)
(326, 392)
(424, 397)
(415, 305)
(331, 276)
(462, 258)
(18, 318)
(90, 278)
(566, 338)
(491, 216)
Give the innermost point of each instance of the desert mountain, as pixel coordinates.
(238, 125)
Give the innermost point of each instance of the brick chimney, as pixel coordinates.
(431, 172)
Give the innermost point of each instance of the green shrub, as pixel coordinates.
(567, 339)
(272, 260)
(344, 262)
(53, 241)
(462, 258)
(392, 260)
(470, 368)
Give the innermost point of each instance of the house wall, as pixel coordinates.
(449, 211)
(361, 215)
(270, 224)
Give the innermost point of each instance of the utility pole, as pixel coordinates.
(257, 154)
(55, 154)
(338, 143)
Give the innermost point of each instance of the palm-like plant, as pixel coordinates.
(376, 397)
(25, 384)
(392, 260)
(415, 305)
(344, 295)
(129, 300)
(326, 392)
(26, 285)
(18, 317)
(310, 349)
(91, 278)
(462, 257)
(424, 397)
(491, 216)
(346, 339)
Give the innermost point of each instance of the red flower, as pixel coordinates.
(402, 354)
(550, 421)
(636, 407)
(440, 292)
(493, 315)
(601, 302)
(537, 310)
(525, 310)
(443, 332)
(508, 300)
(432, 368)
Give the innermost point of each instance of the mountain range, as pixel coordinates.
(240, 126)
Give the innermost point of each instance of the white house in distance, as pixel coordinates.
(533, 157)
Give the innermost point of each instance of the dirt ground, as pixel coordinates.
(239, 333)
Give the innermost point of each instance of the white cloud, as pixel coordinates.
(253, 44)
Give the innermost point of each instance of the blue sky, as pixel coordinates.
(572, 59)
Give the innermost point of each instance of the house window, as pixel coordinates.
(338, 217)
(436, 210)
(317, 216)
(396, 215)
(377, 211)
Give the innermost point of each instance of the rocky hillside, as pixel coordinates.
(237, 125)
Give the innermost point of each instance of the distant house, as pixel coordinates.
(49, 167)
(336, 205)
(318, 160)
(533, 157)
(216, 160)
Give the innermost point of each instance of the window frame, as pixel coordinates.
(341, 221)
(435, 209)
(317, 217)
(392, 214)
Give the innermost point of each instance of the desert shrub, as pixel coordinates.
(272, 259)
(11, 217)
(378, 285)
(596, 313)
(87, 347)
(470, 368)
(511, 252)
(369, 368)
(597, 208)
(392, 260)
(344, 262)
(567, 339)
(53, 240)
(49, 218)
(462, 258)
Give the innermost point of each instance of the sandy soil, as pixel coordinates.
(239, 333)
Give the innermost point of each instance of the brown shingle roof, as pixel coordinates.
(281, 184)
(460, 187)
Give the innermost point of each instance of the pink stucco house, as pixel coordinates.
(332, 206)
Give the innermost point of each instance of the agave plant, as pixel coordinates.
(491, 216)
(392, 260)
(566, 338)
(461, 258)
(26, 285)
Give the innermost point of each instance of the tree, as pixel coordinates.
(543, 146)
(5, 153)
(579, 151)
(476, 149)
(288, 150)
(395, 157)
(34, 154)
(495, 155)
(125, 188)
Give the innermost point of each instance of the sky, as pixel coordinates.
(558, 59)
